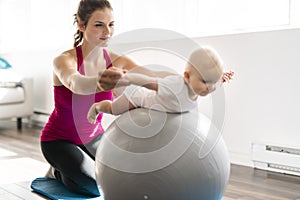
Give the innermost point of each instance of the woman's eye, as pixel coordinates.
(99, 24)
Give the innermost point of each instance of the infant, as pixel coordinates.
(167, 91)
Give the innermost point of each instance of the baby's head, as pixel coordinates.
(204, 70)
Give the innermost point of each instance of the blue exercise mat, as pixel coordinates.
(55, 190)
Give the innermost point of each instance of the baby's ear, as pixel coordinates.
(186, 75)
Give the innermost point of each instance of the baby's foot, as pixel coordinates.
(92, 114)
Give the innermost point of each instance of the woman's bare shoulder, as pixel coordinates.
(68, 56)
(63, 62)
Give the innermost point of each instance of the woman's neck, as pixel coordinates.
(90, 52)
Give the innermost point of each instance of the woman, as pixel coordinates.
(82, 75)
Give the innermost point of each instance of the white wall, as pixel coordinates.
(36, 64)
(262, 102)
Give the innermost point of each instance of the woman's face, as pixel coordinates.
(99, 28)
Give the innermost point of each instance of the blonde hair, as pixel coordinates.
(206, 59)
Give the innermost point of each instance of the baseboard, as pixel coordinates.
(39, 118)
(240, 159)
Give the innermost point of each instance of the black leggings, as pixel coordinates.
(74, 164)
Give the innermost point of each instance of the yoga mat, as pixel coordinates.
(55, 190)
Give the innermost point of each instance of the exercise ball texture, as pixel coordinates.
(151, 155)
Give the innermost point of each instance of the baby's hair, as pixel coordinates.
(84, 12)
(214, 55)
(206, 60)
(205, 55)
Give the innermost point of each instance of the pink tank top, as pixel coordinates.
(68, 120)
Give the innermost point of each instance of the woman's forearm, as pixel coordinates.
(104, 81)
(83, 85)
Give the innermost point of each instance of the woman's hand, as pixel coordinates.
(110, 78)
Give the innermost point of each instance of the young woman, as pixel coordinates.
(82, 76)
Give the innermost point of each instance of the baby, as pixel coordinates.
(166, 91)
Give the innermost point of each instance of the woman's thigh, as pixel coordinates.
(91, 147)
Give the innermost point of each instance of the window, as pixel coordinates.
(14, 23)
(35, 24)
(198, 17)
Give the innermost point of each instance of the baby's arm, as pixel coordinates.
(102, 106)
(151, 73)
(142, 80)
(116, 107)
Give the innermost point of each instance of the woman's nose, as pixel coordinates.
(106, 30)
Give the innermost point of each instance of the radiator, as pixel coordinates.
(276, 158)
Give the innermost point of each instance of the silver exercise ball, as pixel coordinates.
(152, 155)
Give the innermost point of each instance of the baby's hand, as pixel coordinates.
(92, 114)
(227, 76)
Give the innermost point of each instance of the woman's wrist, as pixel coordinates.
(99, 87)
(111, 78)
